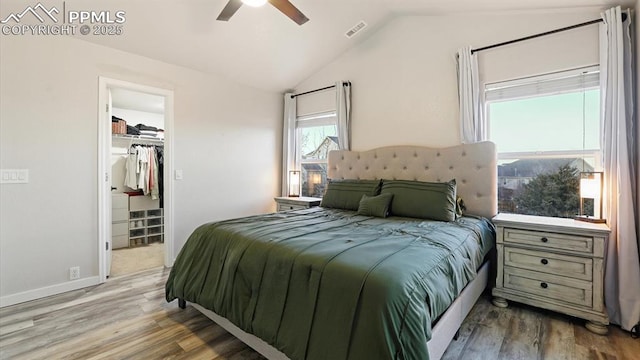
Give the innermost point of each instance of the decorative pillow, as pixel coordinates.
(422, 200)
(375, 205)
(346, 194)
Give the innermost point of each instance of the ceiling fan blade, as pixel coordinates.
(291, 11)
(230, 9)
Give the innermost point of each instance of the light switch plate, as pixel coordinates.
(14, 176)
(178, 175)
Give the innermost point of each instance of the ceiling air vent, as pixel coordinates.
(356, 29)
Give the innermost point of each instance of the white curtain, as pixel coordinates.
(343, 112)
(622, 272)
(473, 127)
(289, 147)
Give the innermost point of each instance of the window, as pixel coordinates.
(310, 132)
(316, 135)
(547, 131)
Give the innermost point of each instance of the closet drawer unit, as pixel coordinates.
(121, 241)
(118, 229)
(554, 287)
(550, 263)
(120, 201)
(119, 221)
(145, 224)
(137, 214)
(143, 203)
(136, 224)
(154, 230)
(156, 238)
(154, 213)
(137, 233)
(549, 240)
(119, 214)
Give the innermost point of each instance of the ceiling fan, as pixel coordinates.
(283, 5)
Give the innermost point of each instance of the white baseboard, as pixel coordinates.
(39, 293)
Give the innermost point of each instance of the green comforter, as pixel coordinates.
(329, 284)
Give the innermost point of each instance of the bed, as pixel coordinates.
(328, 283)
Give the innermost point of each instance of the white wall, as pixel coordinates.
(227, 142)
(404, 76)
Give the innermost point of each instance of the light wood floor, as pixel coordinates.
(128, 318)
(135, 259)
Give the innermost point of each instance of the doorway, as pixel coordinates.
(135, 186)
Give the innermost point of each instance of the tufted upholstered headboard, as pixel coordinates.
(474, 166)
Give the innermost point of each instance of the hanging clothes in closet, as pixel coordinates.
(142, 170)
(160, 158)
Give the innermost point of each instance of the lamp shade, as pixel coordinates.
(591, 188)
(294, 183)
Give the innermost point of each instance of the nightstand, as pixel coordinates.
(552, 263)
(296, 203)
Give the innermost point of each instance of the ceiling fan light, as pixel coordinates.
(254, 3)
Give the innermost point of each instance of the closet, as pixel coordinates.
(137, 184)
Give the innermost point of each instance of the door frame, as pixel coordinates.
(104, 168)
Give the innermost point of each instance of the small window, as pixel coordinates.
(547, 131)
(316, 136)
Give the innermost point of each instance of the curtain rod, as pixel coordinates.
(348, 83)
(624, 17)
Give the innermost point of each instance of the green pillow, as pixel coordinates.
(346, 194)
(422, 200)
(375, 205)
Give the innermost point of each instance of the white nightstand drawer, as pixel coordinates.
(287, 207)
(560, 288)
(544, 240)
(552, 263)
(285, 203)
(562, 265)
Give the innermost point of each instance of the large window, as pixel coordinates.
(316, 135)
(547, 131)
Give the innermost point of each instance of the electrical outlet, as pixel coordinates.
(74, 273)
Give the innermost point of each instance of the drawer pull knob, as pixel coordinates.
(544, 239)
(544, 261)
(544, 285)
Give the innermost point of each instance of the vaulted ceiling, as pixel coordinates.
(263, 48)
